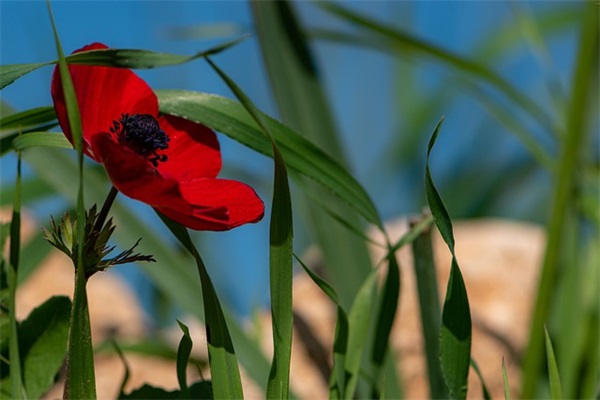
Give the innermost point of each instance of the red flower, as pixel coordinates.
(167, 162)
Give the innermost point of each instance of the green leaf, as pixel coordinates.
(10, 73)
(429, 303)
(223, 363)
(359, 321)
(230, 118)
(280, 256)
(183, 356)
(556, 392)
(571, 151)
(41, 139)
(455, 334)
(199, 390)
(43, 341)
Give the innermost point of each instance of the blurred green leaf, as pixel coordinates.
(506, 383)
(43, 343)
(199, 390)
(10, 73)
(555, 386)
(230, 118)
(24, 121)
(455, 334)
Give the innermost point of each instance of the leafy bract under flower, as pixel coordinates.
(165, 161)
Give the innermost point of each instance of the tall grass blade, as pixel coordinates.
(280, 256)
(455, 333)
(183, 355)
(484, 389)
(505, 379)
(429, 306)
(571, 148)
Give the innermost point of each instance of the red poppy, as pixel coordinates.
(165, 161)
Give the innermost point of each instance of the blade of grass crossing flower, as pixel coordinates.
(17, 389)
(484, 389)
(337, 381)
(123, 58)
(80, 377)
(429, 306)
(571, 148)
(555, 386)
(280, 256)
(223, 363)
(22, 121)
(183, 355)
(505, 379)
(455, 333)
(231, 118)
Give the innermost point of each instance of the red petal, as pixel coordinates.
(134, 176)
(193, 150)
(209, 197)
(103, 94)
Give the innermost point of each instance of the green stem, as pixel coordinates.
(16, 378)
(570, 155)
(110, 199)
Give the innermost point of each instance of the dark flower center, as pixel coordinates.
(142, 134)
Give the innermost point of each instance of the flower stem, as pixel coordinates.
(110, 199)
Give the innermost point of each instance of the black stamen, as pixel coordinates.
(142, 134)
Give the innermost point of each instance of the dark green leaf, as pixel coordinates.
(484, 389)
(183, 356)
(24, 121)
(556, 392)
(199, 390)
(43, 341)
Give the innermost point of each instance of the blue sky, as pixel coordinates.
(362, 85)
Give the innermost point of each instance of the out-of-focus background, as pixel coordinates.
(384, 106)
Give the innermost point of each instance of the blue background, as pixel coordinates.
(371, 98)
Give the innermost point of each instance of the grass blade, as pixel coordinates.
(571, 147)
(505, 379)
(555, 386)
(223, 363)
(41, 139)
(455, 333)
(183, 355)
(26, 120)
(484, 389)
(429, 306)
(280, 256)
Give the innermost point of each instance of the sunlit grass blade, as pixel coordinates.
(123, 58)
(429, 305)
(455, 333)
(41, 139)
(484, 389)
(556, 392)
(231, 118)
(571, 151)
(183, 355)
(223, 362)
(80, 381)
(505, 379)
(280, 255)
(17, 389)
